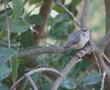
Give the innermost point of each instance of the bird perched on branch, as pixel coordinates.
(78, 39)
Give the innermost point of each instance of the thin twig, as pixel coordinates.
(32, 82)
(104, 41)
(108, 60)
(96, 59)
(103, 80)
(17, 82)
(7, 23)
(43, 69)
(71, 14)
(8, 29)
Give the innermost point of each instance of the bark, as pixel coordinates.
(107, 49)
(44, 12)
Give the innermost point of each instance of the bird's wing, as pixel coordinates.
(74, 38)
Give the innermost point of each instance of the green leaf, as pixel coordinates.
(15, 25)
(3, 87)
(68, 83)
(18, 26)
(35, 19)
(58, 9)
(6, 54)
(27, 39)
(59, 30)
(17, 8)
(4, 71)
(2, 21)
(15, 66)
(76, 2)
(46, 86)
(92, 79)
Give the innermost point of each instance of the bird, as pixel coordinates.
(78, 39)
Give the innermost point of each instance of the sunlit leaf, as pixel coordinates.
(33, 1)
(58, 9)
(17, 8)
(75, 2)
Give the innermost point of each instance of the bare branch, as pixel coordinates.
(43, 69)
(28, 74)
(107, 7)
(103, 80)
(103, 43)
(70, 65)
(17, 82)
(32, 82)
(44, 12)
(35, 51)
(71, 14)
(84, 15)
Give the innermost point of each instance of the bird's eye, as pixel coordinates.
(85, 30)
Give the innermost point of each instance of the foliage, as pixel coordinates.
(58, 28)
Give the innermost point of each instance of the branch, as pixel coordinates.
(107, 7)
(32, 82)
(103, 81)
(84, 15)
(17, 82)
(43, 69)
(70, 65)
(35, 51)
(28, 74)
(7, 23)
(104, 41)
(71, 14)
(44, 12)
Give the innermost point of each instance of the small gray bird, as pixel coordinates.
(78, 39)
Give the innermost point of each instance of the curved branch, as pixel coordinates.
(35, 51)
(32, 83)
(43, 69)
(70, 65)
(28, 74)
